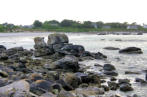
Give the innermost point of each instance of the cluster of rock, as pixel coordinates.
(128, 50)
(52, 69)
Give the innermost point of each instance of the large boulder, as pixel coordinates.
(41, 48)
(70, 49)
(41, 86)
(16, 88)
(39, 42)
(131, 50)
(2, 48)
(72, 80)
(69, 63)
(57, 39)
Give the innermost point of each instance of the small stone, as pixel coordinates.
(108, 67)
(35, 77)
(3, 74)
(106, 88)
(113, 79)
(122, 81)
(125, 87)
(113, 85)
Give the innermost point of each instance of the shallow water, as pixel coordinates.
(95, 43)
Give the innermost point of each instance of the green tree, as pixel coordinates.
(37, 24)
(87, 24)
(66, 23)
(1, 28)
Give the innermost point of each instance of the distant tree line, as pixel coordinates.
(77, 24)
(69, 25)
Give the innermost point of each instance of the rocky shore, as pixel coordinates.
(53, 69)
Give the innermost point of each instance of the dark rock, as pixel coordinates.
(69, 63)
(3, 82)
(108, 67)
(3, 56)
(83, 77)
(41, 86)
(39, 42)
(2, 48)
(131, 50)
(66, 86)
(57, 39)
(113, 85)
(72, 80)
(43, 52)
(35, 77)
(70, 49)
(142, 81)
(41, 48)
(3, 73)
(111, 73)
(111, 48)
(86, 54)
(131, 72)
(57, 47)
(122, 81)
(106, 88)
(99, 55)
(125, 87)
(57, 86)
(113, 79)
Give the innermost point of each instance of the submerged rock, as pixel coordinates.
(111, 48)
(57, 39)
(99, 55)
(132, 72)
(108, 67)
(131, 50)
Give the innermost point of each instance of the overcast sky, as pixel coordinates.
(26, 11)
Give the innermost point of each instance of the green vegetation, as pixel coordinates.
(72, 26)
